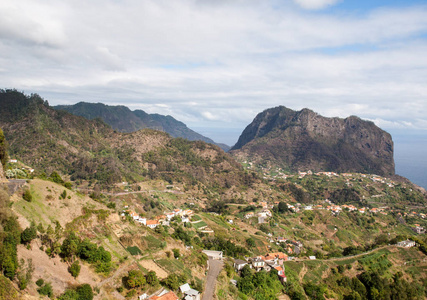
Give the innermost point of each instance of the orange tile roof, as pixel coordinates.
(168, 296)
(152, 222)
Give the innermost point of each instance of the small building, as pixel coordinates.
(258, 263)
(142, 220)
(419, 229)
(152, 223)
(190, 294)
(249, 215)
(406, 244)
(213, 254)
(239, 264)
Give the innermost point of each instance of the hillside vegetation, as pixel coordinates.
(74, 219)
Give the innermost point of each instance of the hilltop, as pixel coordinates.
(91, 151)
(123, 119)
(303, 140)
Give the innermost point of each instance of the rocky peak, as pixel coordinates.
(302, 140)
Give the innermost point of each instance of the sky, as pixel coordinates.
(215, 64)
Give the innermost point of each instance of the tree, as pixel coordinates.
(3, 149)
(69, 295)
(85, 292)
(134, 279)
(74, 269)
(27, 196)
(29, 234)
(282, 207)
(55, 177)
(250, 242)
(151, 278)
(46, 290)
(70, 246)
(176, 253)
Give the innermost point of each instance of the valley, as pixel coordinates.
(87, 212)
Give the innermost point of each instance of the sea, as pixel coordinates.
(410, 156)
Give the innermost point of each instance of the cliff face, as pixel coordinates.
(304, 140)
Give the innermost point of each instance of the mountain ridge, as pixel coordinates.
(121, 118)
(304, 140)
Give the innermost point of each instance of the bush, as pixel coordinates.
(151, 278)
(69, 295)
(74, 269)
(28, 234)
(85, 292)
(27, 196)
(40, 282)
(134, 279)
(46, 290)
(176, 253)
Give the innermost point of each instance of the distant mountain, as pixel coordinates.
(303, 140)
(123, 119)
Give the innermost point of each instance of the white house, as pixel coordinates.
(142, 220)
(239, 264)
(152, 223)
(190, 294)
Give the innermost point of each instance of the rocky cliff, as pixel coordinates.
(304, 140)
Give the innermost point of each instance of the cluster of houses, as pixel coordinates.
(162, 219)
(291, 246)
(262, 215)
(336, 209)
(267, 263)
(415, 214)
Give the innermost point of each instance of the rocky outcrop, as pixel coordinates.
(304, 140)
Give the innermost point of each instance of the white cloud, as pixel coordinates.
(218, 62)
(315, 4)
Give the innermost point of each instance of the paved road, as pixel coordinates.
(215, 267)
(15, 184)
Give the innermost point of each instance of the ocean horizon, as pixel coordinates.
(410, 157)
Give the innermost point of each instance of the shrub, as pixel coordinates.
(134, 279)
(27, 196)
(40, 282)
(74, 269)
(176, 253)
(28, 234)
(85, 292)
(46, 290)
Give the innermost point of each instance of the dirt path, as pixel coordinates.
(357, 255)
(303, 272)
(215, 267)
